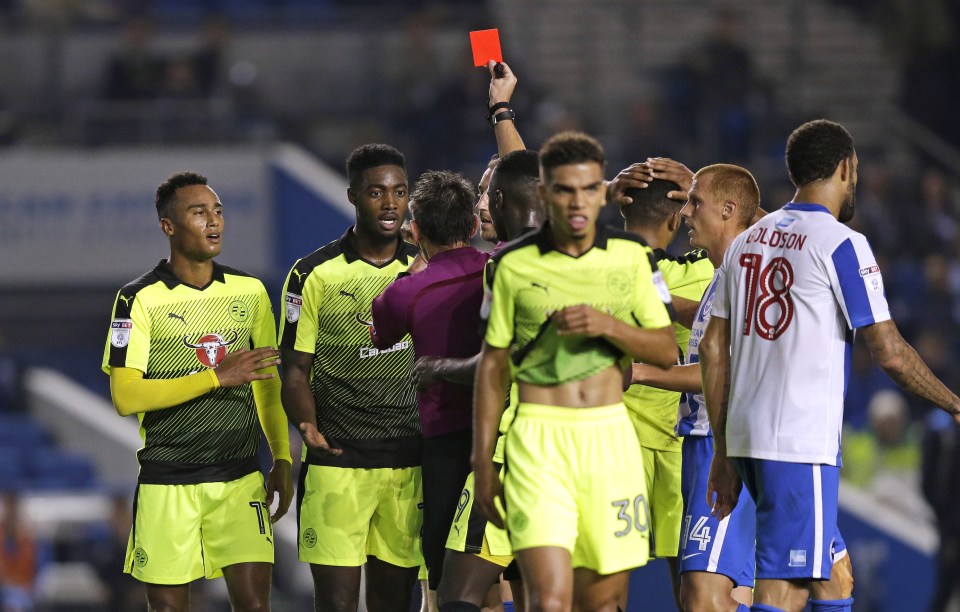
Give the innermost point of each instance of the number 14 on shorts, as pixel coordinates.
(700, 533)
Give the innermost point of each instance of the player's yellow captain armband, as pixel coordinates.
(132, 393)
(273, 420)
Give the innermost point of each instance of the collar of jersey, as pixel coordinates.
(171, 280)
(803, 207)
(546, 244)
(351, 254)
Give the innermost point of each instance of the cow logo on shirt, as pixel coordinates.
(212, 348)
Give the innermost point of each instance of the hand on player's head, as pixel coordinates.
(671, 170)
(243, 366)
(634, 176)
(641, 174)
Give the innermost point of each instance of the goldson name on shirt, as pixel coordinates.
(776, 238)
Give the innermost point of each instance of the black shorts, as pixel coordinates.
(445, 465)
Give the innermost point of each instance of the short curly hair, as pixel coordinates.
(568, 148)
(369, 156)
(815, 149)
(168, 189)
(442, 206)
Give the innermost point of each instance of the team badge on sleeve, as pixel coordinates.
(120, 332)
(293, 303)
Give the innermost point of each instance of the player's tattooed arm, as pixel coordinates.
(298, 400)
(902, 363)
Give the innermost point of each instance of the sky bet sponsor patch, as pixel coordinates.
(293, 303)
(120, 332)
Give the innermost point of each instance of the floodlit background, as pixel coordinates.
(100, 100)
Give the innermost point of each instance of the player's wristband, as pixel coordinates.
(507, 115)
(493, 109)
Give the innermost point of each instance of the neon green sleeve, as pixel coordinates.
(133, 394)
(266, 393)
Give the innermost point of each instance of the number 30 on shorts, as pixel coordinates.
(641, 515)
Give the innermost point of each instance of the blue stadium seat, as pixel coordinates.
(12, 468)
(20, 431)
(51, 468)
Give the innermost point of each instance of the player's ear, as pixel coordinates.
(846, 169)
(166, 226)
(673, 221)
(352, 196)
(729, 209)
(415, 230)
(476, 226)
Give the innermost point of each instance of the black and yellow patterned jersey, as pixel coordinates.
(168, 329)
(529, 279)
(365, 402)
(654, 411)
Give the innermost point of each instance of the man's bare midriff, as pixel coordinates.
(601, 389)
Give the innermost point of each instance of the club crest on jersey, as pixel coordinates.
(212, 348)
(293, 304)
(120, 332)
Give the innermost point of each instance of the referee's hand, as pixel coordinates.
(487, 489)
(316, 442)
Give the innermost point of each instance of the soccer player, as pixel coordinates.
(655, 217)
(360, 484)
(791, 293)
(477, 550)
(716, 557)
(570, 305)
(439, 307)
(177, 358)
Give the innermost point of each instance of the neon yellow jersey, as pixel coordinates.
(364, 400)
(654, 411)
(168, 329)
(529, 279)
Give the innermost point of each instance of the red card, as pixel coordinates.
(486, 46)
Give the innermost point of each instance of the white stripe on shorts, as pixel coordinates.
(817, 523)
(717, 547)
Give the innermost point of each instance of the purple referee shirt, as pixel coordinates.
(440, 308)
